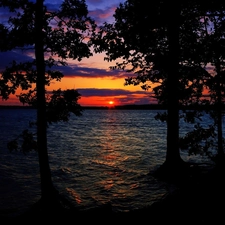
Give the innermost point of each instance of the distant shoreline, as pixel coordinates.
(147, 106)
(124, 107)
(142, 107)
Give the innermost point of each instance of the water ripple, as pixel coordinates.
(101, 157)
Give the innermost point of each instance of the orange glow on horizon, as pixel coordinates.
(94, 82)
(115, 95)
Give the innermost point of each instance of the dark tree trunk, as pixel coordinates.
(220, 152)
(47, 189)
(173, 167)
(173, 153)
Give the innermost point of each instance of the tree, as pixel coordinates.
(215, 38)
(212, 40)
(173, 153)
(161, 50)
(53, 36)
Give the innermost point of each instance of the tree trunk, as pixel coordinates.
(173, 153)
(47, 189)
(220, 152)
(173, 167)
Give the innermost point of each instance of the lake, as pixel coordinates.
(103, 156)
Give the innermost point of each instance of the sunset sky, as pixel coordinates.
(97, 84)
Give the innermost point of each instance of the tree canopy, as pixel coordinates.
(166, 48)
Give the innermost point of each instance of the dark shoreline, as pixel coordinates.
(127, 107)
(147, 106)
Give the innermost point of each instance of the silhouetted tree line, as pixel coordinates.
(176, 51)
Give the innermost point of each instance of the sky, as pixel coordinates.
(97, 84)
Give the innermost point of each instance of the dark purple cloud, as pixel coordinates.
(6, 58)
(74, 70)
(102, 15)
(77, 71)
(89, 92)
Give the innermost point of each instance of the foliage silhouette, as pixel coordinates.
(211, 39)
(167, 54)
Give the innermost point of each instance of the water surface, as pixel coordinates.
(104, 156)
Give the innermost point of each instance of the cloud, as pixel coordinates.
(89, 72)
(101, 92)
(105, 92)
(71, 70)
(102, 15)
(8, 57)
(102, 11)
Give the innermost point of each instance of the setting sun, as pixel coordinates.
(111, 102)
